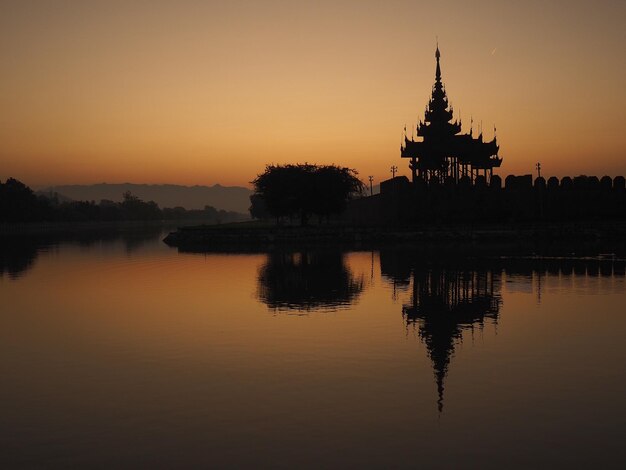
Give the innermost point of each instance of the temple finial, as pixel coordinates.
(437, 56)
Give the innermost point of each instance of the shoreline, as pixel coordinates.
(43, 228)
(247, 236)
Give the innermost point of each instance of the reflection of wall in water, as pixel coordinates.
(534, 275)
(304, 281)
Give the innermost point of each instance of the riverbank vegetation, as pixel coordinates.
(20, 204)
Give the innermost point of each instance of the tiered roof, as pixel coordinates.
(441, 138)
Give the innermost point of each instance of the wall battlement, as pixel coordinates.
(517, 198)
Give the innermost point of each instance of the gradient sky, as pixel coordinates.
(204, 92)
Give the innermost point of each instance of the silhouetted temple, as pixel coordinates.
(443, 153)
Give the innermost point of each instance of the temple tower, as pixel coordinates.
(444, 153)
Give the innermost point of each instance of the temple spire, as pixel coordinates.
(438, 72)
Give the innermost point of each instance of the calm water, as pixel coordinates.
(119, 352)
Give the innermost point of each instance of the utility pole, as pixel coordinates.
(393, 171)
(371, 178)
(538, 166)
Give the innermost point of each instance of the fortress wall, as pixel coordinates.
(520, 198)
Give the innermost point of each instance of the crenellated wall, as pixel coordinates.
(518, 198)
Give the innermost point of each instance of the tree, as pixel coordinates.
(303, 189)
(134, 208)
(18, 203)
(258, 208)
(335, 186)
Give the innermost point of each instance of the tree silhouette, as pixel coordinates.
(303, 190)
(18, 203)
(134, 208)
(258, 208)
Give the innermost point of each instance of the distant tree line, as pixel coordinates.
(19, 203)
(303, 190)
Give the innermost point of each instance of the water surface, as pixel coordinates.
(119, 352)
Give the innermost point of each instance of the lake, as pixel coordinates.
(118, 351)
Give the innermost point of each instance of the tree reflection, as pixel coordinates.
(305, 281)
(17, 258)
(18, 253)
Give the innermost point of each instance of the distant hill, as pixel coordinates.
(229, 198)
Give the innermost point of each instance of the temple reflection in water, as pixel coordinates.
(447, 296)
(445, 300)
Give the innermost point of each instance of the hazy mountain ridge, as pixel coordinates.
(229, 198)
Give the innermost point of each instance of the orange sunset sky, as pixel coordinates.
(205, 92)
